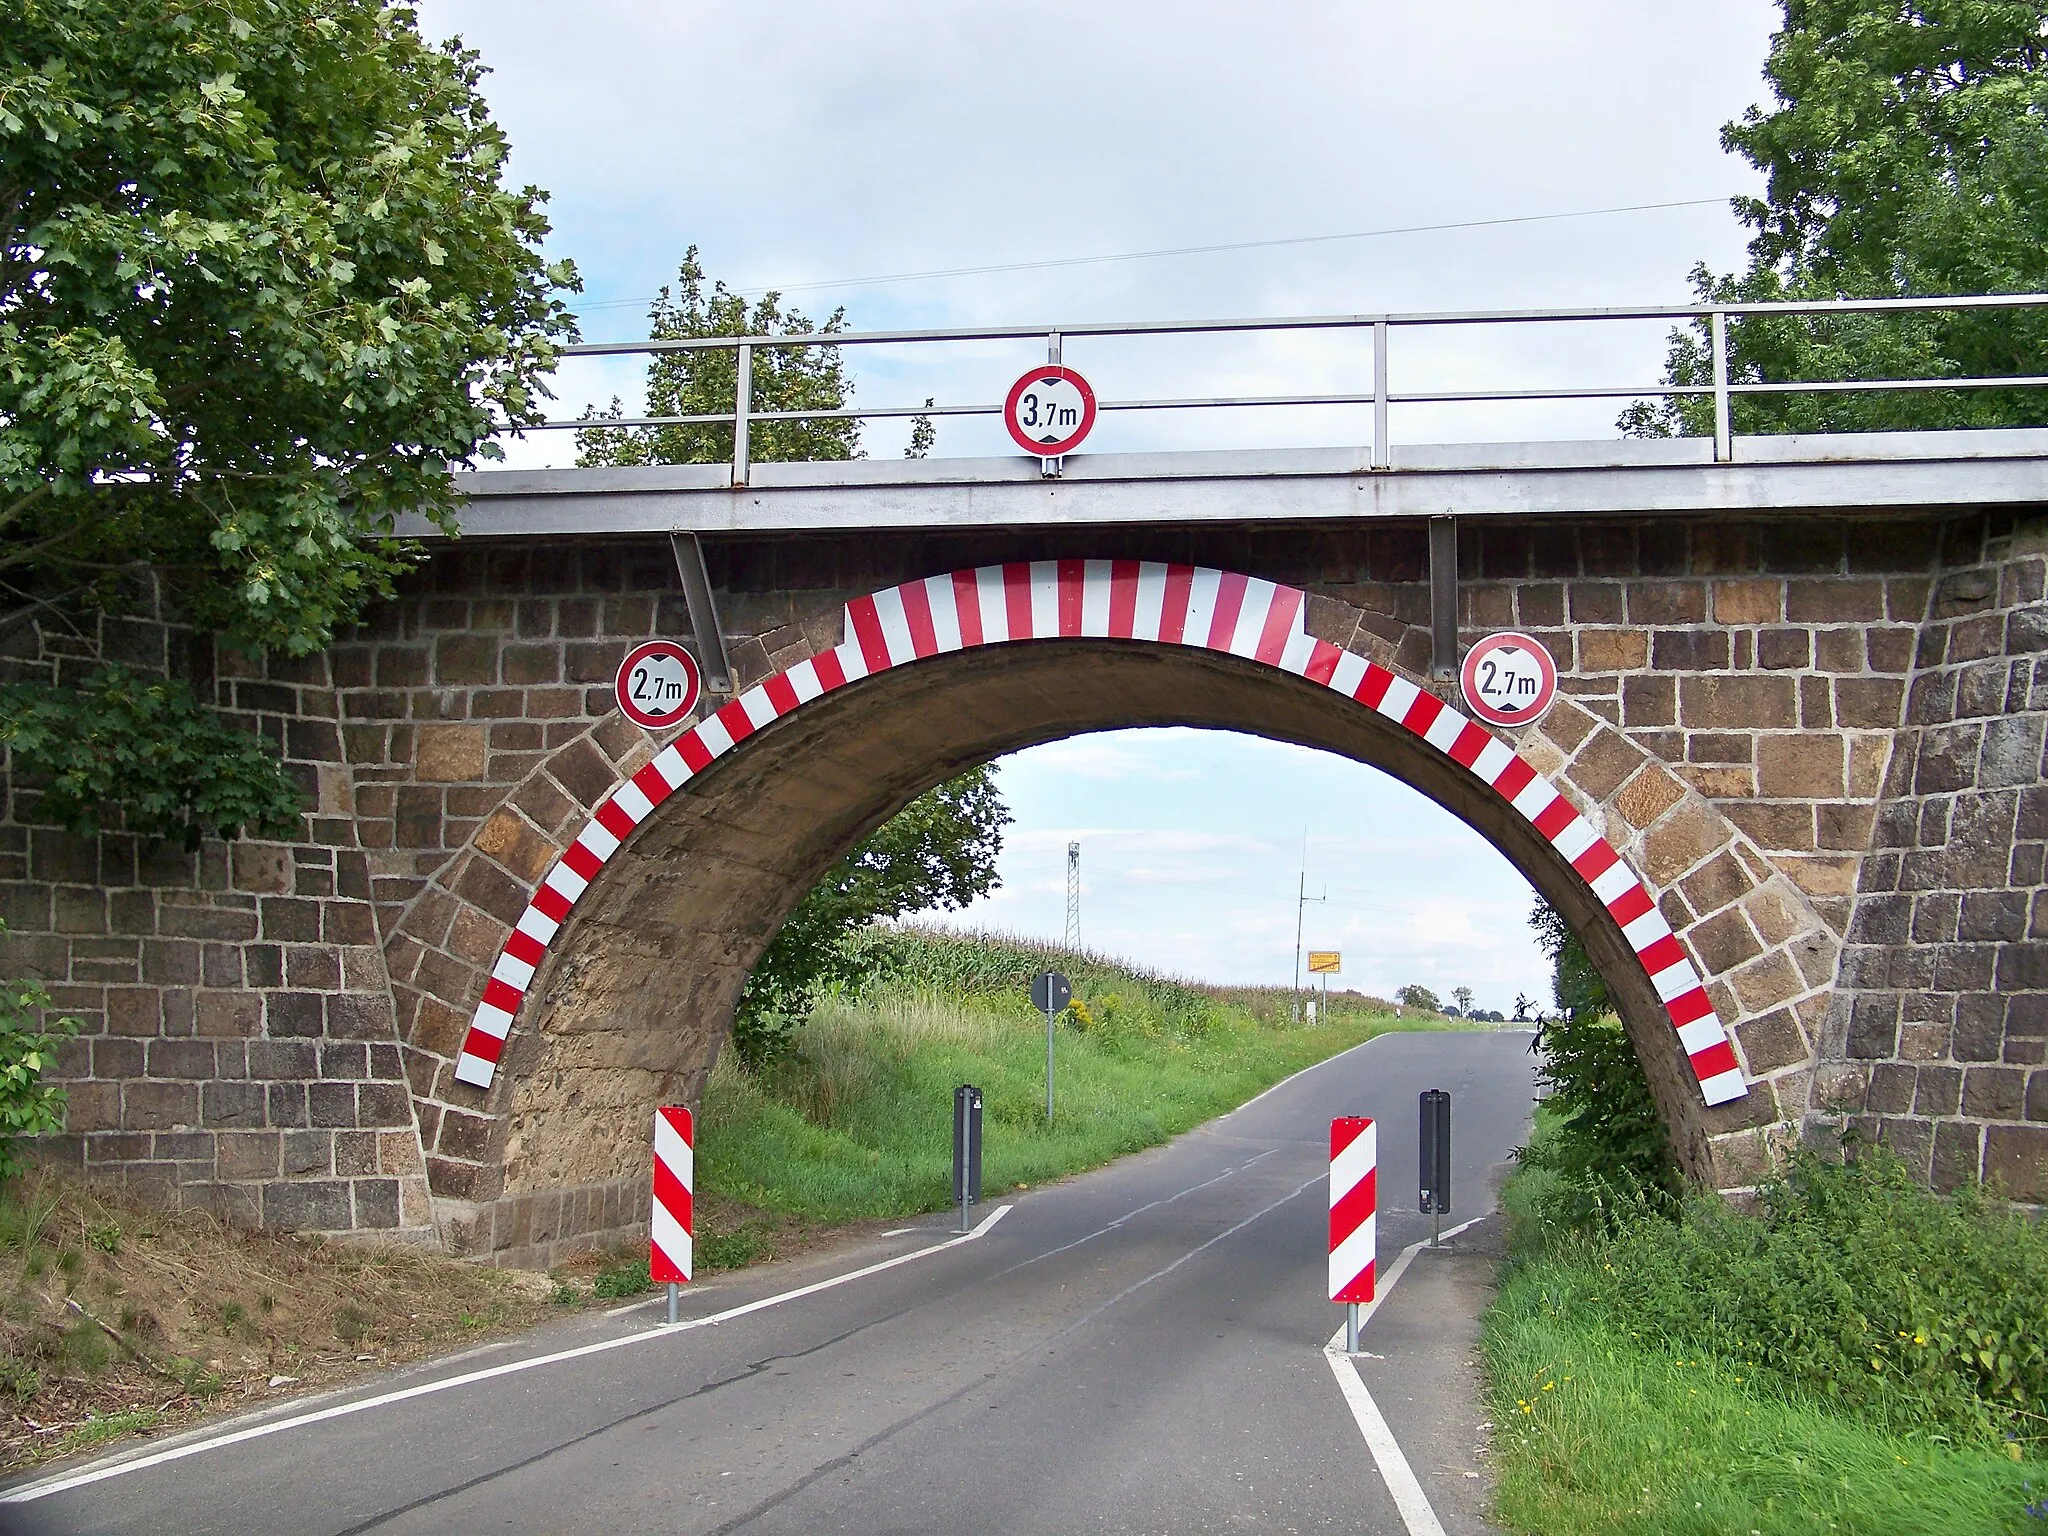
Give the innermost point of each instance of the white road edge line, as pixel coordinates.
(43, 1490)
(1409, 1499)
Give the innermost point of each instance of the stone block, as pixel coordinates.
(1994, 1093)
(1800, 767)
(1772, 1041)
(1768, 982)
(246, 1155)
(1748, 602)
(1755, 703)
(1603, 763)
(1891, 1089)
(1686, 837)
(1958, 1155)
(1722, 943)
(307, 1152)
(1690, 650)
(508, 838)
(376, 1204)
(2016, 1162)
(154, 1106)
(448, 754)
(1873, 1027)
(307, 1205)
(464, 1136)
(1938, 1091)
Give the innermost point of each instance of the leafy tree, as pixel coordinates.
(705, 382)
(938, 851)
(1906, 155)
(1462, 996)
(1609, 1129)
(1523, 1004)
(1413, 996)
(260, 285)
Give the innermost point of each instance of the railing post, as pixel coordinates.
(1724, 441)
(1382, 450)
(742, 403)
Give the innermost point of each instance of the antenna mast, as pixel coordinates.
(1073, 934)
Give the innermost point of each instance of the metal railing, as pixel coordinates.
(1381, 398)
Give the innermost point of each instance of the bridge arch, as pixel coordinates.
(615, 987)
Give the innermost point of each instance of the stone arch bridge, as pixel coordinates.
(1792, 796)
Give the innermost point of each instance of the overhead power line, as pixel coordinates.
(1193, 250)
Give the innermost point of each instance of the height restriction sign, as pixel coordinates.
(1049, 411)
(658, 684)
(1509, 679)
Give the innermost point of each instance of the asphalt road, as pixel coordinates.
(1136, 1350)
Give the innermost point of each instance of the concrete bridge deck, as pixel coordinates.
(1839, 473)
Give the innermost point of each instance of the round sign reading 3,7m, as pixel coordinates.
(1509, 679)
(1049, 411)
(658, 684)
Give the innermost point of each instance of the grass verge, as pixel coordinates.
(855, 1121)
(1652, 1376)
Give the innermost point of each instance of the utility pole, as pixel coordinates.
(1301, 901)
(1073, 935)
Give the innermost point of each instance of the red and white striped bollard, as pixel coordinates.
(669, 1251)
(1354, 1202)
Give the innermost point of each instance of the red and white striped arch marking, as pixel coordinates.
(1117, 600)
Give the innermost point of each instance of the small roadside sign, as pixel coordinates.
(1325, 962)
(1050, 992)
(1049, 410)
(1509, 679)
(658, 684)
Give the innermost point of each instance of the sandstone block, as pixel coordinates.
(449, 754)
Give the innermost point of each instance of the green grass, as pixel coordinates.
(1598, 1433)
(1745, 1372)
(857, 1120)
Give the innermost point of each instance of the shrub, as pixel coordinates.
(28, 1047)
(1609, 1140)
(1851, 1285)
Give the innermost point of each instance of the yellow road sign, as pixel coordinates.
(1327, 962)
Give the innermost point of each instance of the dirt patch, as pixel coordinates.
(120, 1318)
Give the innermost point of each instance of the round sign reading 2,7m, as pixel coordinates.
(1049, 411)
(658, 684)
(1509, 679)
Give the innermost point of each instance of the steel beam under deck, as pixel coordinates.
(1867, 473)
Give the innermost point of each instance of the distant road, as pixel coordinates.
(1134, 1350)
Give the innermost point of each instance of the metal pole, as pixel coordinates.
(743, 402)
(1382, 449)
(1052, 349)
(1048, 1066)
(1724, 442)
(1351, 1328)
(1300, 904)
(675, 1293)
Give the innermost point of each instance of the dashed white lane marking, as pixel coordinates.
(31, 1492)
(1409, 1499)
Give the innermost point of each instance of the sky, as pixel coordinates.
(806, 144)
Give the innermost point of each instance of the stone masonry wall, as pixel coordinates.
(1938, 1036)
(237, 1049)
(271, 1026)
